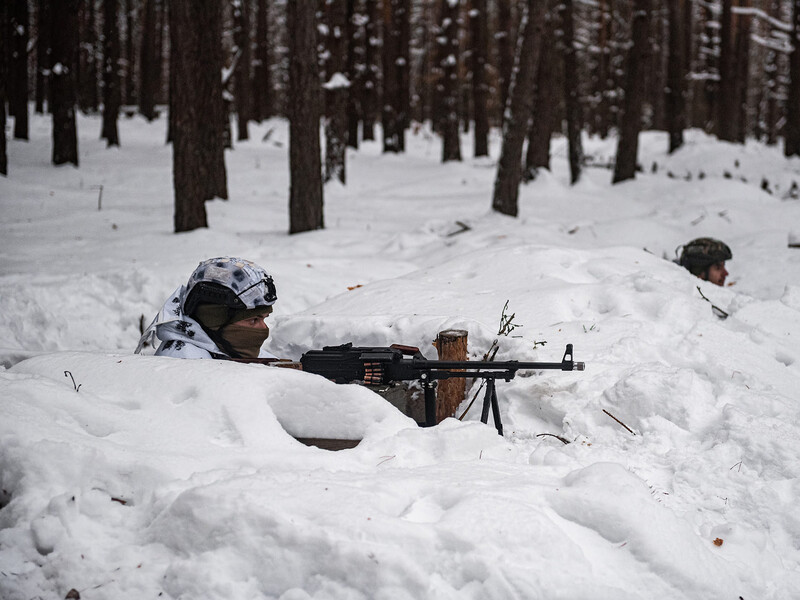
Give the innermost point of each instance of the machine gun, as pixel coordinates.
(383, 365)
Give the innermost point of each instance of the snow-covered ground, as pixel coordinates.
(125, 476)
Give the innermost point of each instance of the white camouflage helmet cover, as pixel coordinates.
(249, 282)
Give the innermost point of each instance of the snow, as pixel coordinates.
(126, 476)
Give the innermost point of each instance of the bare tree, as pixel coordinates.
(369, 93)
(336, 91)
(42, 54)
(792, 131)
(63, 81)
(3, 79)
(305, 189)
(520, 107)
(262, 88)
(111, 79)
(392, 116)
(505, 49)
(449, 41)
(571, 91)
(18, 28)
(197, 119)
(726, 107)
(148, 62)
(89, 55)
(479, 34)
(241, 74)
(675, 92)
(631, 121)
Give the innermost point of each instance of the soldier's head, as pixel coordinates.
(230, 297)
(705, 258)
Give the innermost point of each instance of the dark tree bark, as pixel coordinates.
(111, 79)
(305, 189)
(88, 98)
(354, 65)
(741, 61)
(792, 129)
(505, 51)
(631, 121)
(63, 37)
(675, 93)
(130, 51)
(336, 92)
(18, 29)
(479, 37)
(520, 108)
(369, 91)
(197, 123)
(392, 117)
(546, 103)
(262, 83)
(605, 74)
(727, 106)
(148, 62)
(3, 92)
(571, 91)
(448, 28)
(241, 75)
(42, 54)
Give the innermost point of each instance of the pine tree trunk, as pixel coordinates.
(631, 122)
(355, 52)
(519, 111)
(743, 24)
(197, 125)
(792, 129)
(88, 98)
(546, 101)
(42, 54)
(336, 92)
(305, 189)
(111, 80)
(130, 52)
(148, 67)
(478, 20)
(726, 108)
(675, 97)
(18, 66)
(3, 91)
(241, 35)
(392, 117)
(369, 92)
(451, 146)
(64, 42)
(505, 52)
(571, 92)
(262, 86)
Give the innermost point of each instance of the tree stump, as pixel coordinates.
(451, 345)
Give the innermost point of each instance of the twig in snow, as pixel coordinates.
(620, 422)
(558, 437)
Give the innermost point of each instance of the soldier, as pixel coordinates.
(705, 258)
(219, 313)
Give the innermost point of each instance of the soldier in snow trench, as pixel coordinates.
(219, 313)
(705, 258)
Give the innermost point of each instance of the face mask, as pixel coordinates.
(246, 341)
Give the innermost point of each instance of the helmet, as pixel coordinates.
(704, 252)
(236, 283)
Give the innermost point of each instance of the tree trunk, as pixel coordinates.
(336, 92)
(111, 80)
(631, 122)
(546, 103)
(130, 52)
(64, 42)
(369, 93)
(505, 52)
(675, 96)
(520, 108)
(727, 106)
(3, 92)
(743, 24)
(18, 27)
(571, 92)
(241, 76)
(198, 155)
(792, 129)
(451, 345)
(305, 189)
(42, 54)
(88, 98)
(478, 20)
(451, 146)
(392, 117)
(355, 57)
(262, 86)
(148, 62)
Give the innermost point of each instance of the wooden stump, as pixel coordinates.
(451, 345)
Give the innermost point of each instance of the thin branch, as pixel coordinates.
(620, 422)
